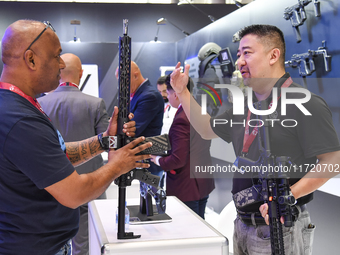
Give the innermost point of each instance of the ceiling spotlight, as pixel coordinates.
(164, 21)
(156, 37)
(76, 23)
(238, 4)
(241, 3)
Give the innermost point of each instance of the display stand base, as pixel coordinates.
(136, 217)
(127, 235)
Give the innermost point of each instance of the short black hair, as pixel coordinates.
(190, 84)
(161, 80)
(269, 35)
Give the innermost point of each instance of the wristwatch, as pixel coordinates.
(103, 141)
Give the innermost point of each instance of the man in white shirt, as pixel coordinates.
(169, 111)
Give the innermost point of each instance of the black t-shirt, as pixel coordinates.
(32, 221)
(312, 135)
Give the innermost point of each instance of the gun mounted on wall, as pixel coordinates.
(297, 15)
(305, 61)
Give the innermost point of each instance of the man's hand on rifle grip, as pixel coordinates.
(264, 213)
(129, 128)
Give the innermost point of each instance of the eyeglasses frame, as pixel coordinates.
(48, 25)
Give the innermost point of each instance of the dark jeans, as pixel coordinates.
(198, 206)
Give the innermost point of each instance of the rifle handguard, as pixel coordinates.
(160, 145)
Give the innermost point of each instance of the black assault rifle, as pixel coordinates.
(160, 143)
(275, 185)
(305, 61)
(297, 15)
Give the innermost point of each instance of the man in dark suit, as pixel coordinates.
(147, 105)
(188, 151)
(77, 116)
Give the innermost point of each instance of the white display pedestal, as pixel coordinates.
(186, 234)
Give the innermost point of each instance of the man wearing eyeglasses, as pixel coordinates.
(40, 189)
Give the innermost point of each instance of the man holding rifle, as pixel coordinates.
(40, 189)
(310, 143)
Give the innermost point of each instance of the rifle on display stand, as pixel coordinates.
(159, 143)
(275, 185)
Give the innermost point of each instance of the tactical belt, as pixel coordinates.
(249, 219)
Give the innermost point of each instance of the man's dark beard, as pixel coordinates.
(165, 99)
